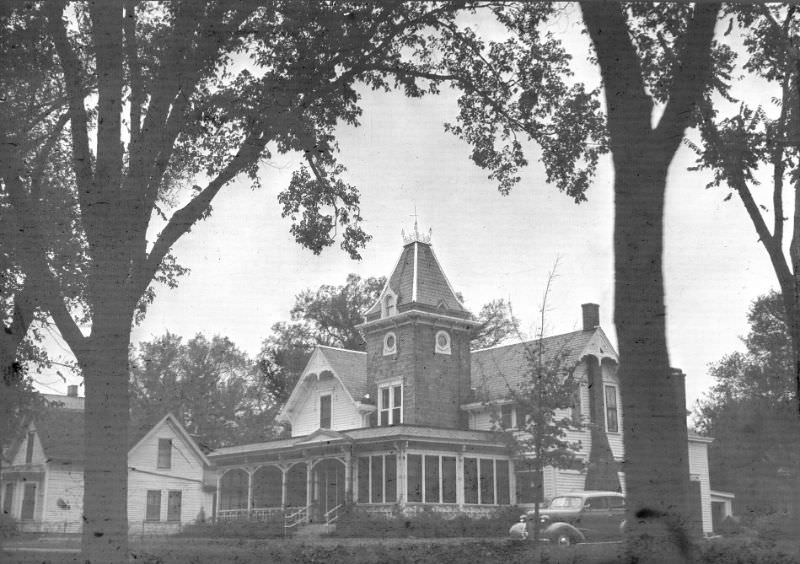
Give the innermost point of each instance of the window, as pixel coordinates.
(470, 480)
(505, 416)
(389, 304)
(28, 502)
(391, 405)
(389, 344)
(442, 342)
(173, 505)
(448, 479)
(164, 453)
(8, 499)
(377, 478)
(529, 486)
(432, 479)
(612, 422)
(575, 413)
(153, 511)
(325, 412)
(29, 447)
(414, 477)
(501, 468)
(487, 481)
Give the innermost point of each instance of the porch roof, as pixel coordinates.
(364, 435)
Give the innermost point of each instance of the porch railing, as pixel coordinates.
(255, 514)
(295, 518)
(332, 514)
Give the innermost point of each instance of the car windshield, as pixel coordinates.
(566, 501)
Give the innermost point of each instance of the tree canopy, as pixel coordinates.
(750, 413)
(210, 385)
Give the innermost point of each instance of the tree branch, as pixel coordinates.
(628, 105)
(82, 156)
(131, 53)
(183, 219)
(691, 75)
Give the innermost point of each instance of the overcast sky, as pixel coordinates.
(246, 268)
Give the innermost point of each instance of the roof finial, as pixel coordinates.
(416, 236)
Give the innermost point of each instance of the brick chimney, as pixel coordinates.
(72, 391)
(591, 316)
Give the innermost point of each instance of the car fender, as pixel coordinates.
(555, 528)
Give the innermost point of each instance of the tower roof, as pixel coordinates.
(417, 282)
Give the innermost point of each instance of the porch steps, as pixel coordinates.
(314, 530)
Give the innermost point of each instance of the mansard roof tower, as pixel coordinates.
(418, 343)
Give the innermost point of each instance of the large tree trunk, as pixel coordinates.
(105, 370)
(654, 412)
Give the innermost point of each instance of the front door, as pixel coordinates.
(329, 490)
(28, 502)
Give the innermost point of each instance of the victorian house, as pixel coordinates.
(411, 422)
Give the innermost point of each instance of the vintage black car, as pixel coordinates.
(577, 517)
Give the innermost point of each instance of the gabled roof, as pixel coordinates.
(418, 282)
(61, 433)
(173, 422)
(495, 370)
(349, 367)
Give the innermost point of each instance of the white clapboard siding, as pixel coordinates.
(65, 484)
(698, 470)
(344, 414)
(185, 475)
(569, 481)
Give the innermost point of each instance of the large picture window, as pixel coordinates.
(486, 481)
(377, 478)
(391, 404)
(431, 478)
(612, 419)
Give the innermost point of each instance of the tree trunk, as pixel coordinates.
(105, 370)
(601, 474)
(654, 412)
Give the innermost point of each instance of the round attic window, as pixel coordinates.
(442, 342)
(389, 343)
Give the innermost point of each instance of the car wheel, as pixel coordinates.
(563, 539)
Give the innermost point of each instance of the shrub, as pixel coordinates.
(730, 526)
(775, 526)
(743, 551)
(8, 527)
(234, 529)
(356, 522)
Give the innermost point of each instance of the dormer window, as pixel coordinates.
(389, 304)
(442, 342)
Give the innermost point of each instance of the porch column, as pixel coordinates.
(283, 487)
(402, 471)
(348, 476)
(219, 497)
(460, 480)
(309, 482)
(512, 483)
(249, 491)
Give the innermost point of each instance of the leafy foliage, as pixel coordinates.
(211, 386)
(750, 414)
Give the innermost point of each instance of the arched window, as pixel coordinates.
(390, 305)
